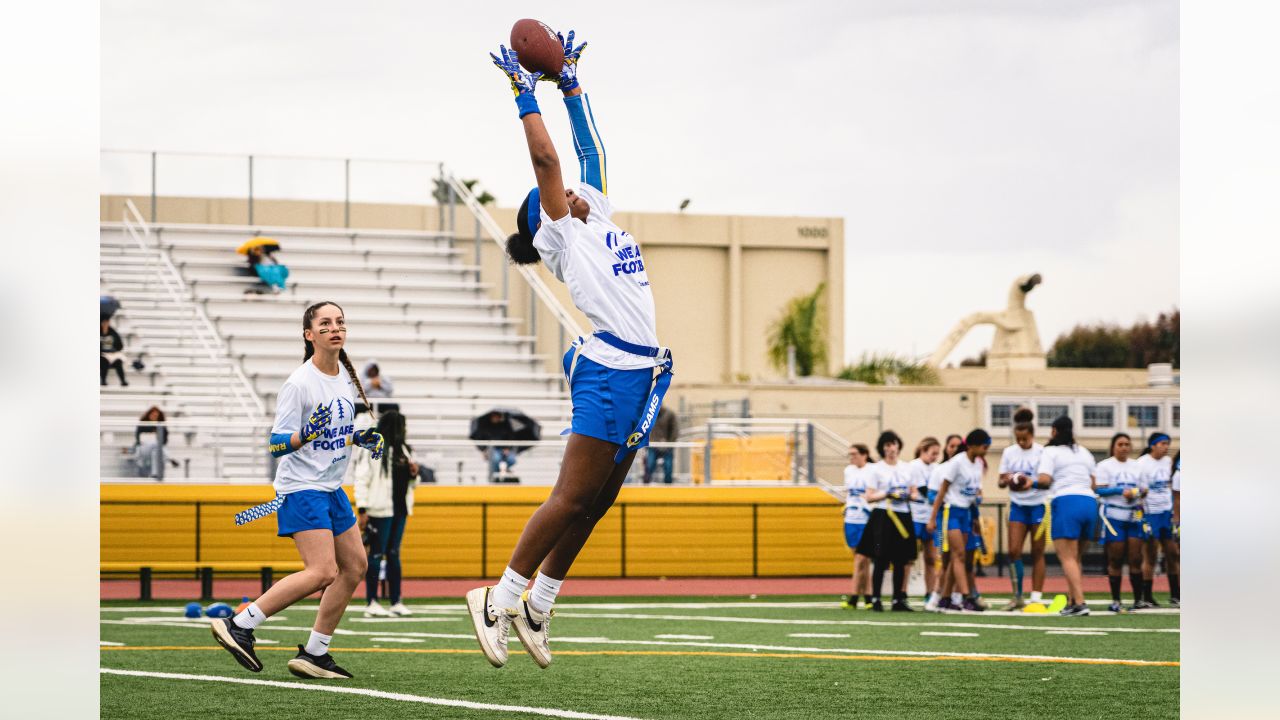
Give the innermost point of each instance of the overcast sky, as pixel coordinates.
(964, 143)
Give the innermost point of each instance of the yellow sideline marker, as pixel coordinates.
(691, 653)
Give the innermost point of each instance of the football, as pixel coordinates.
(537, 46)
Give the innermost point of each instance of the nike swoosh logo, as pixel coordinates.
(534, 626)
(250, 612)
(488, 621)
(324, 643)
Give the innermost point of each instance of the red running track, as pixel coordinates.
(600, 587)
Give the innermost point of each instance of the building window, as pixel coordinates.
(1046, 414)
(1144, 416)
(1177, 416)
(1002, 414)
(1099, 416)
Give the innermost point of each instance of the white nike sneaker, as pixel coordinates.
(400, 610)
(375, 610)
(931, 605)
(492, 625)
(532, 627)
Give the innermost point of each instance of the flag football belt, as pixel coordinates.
(1044, 524)
(897, 523)
(259, 511)
(1102, 513)
(639, 437)
(946, 523)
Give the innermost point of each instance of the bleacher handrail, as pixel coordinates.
(169, 277)
(495, 233)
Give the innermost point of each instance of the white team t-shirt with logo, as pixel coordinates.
(922, 509)
(965, 476)
(1155, 477)
(321, 463)
(1113, 473)
(1023, 462)
(892, 478)
(1071, 467)
(604, 271)
(856, 481)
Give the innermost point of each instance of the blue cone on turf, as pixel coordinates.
(193, 610)
(218, 610)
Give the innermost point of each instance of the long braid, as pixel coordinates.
(346, 363)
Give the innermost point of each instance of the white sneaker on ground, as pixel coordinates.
(400, 610)
(532, 627)
(492, 625)
(931, 605)
(375, 610)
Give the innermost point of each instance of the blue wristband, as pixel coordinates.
(527, 103)
(281, 444)
(1109, 491)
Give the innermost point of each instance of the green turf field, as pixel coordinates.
(792, 657)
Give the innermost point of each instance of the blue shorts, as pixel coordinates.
(1028, 515)
(1114, 531)
(315, 510)
(959, 518)
(974, 541)
(920, 531)
(608, 403)
(1074, 517)
(853, 534)
(1158, 526)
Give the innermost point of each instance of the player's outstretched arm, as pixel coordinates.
(542, 153)
(586, 139)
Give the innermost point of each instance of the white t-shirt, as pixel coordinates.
(1154, 476)
(935, 476)
(920, 509)
(856, 482)
(604, 271)
(1113, 473)
(321, 463)
(965, 476)
(1071, 467)
(1023, 462)
(1176, 480)
(892, 478)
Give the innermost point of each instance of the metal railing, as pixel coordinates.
(160, 267)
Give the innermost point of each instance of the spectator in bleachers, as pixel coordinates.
(149, 441)
(111, 347)
(384, 502)
(262, 261)
(376, 384)
(665, 429)
(496, 427)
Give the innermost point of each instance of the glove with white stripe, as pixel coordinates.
(370, 440)
(315, 424)
(522, 81)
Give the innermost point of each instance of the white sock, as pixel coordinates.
(318, 644)
(956, 598)
(250, 618)
(506, 594)
(1035, 596)
(544, 592)
(933, 597)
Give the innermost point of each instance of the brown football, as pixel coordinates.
(538, 47)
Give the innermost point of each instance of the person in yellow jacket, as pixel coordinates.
(384, 502)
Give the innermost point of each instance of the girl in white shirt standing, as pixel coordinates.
(1068, 469)
(952, 508)
(1118, 484)
(858, 476)
(1018, 465)
(1156, 471)
(940, 592)
(890, 536)
(314, 435)
(927, 453)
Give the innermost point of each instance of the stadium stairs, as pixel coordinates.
(411, 303)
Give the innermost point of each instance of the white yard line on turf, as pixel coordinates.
(689, 643)
(880, 623)
(392, 640)
(818, 635)
(1074, 632)
(684, 637)
(366, 692)
(406, 619)
(949, 634)
(108, 643)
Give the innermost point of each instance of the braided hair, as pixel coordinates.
(309, 350)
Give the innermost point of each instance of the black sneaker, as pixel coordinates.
(1142, 605)
(1175, 602)
(901, 606)
(305, 665)
(877, 606)
(238, 641)
(1074, 611)
(971, 605)
(1115, 608)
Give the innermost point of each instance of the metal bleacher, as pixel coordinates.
(411, 302)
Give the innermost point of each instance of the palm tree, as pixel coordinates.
(803, 325)
(890, 369)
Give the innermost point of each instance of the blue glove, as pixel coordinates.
(370, 440)
(568, 79)
(319, 419)
(522, 81)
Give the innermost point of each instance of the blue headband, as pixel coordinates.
(1157, 439)
(534, 213)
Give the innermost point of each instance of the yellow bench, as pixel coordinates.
(144, 571)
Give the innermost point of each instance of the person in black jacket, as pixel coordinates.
(149, 441)
(111, 347)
